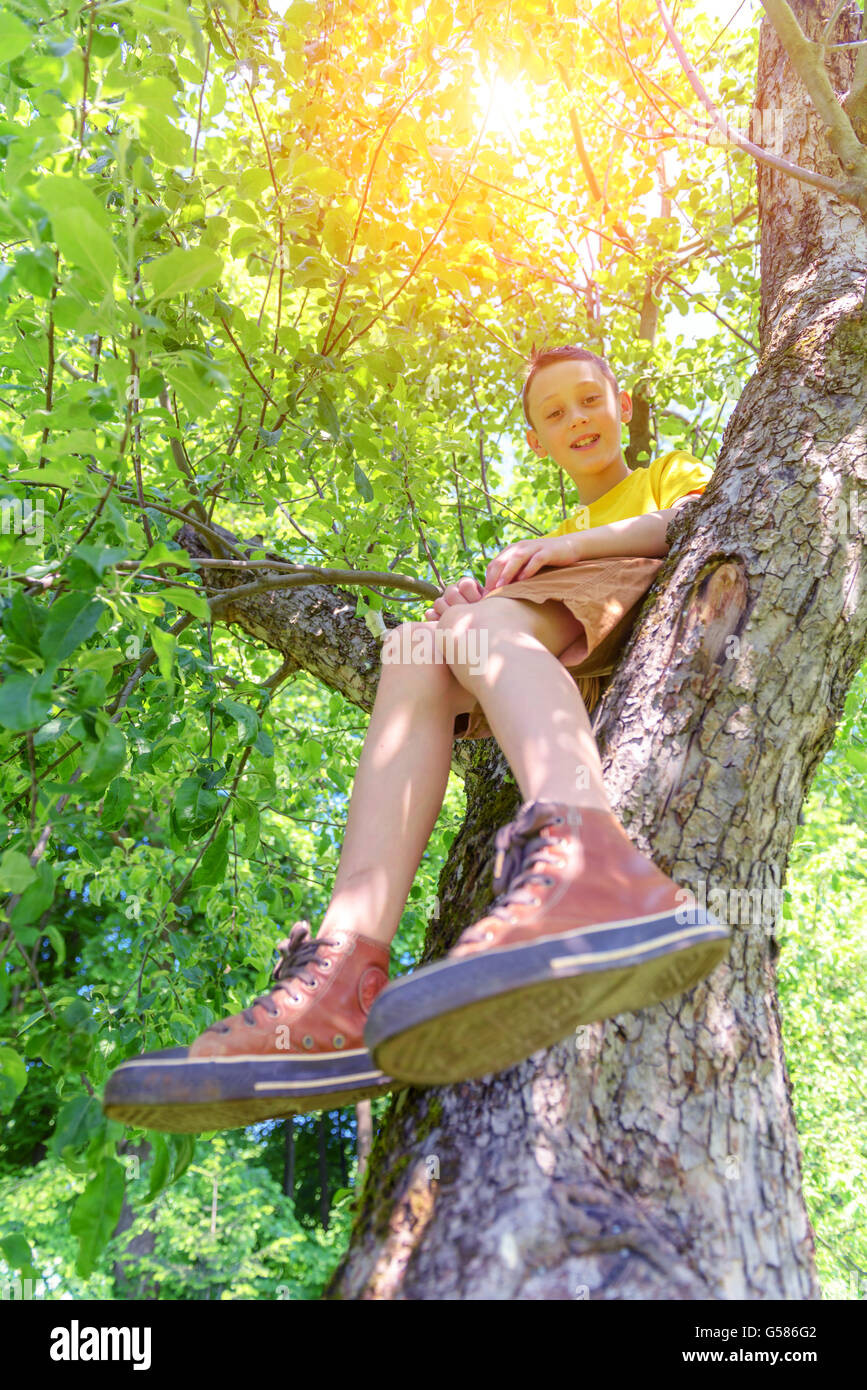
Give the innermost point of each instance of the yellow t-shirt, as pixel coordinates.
(650, 489)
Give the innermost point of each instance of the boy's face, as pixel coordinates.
(572, 401)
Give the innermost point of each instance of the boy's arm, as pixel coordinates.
(635, 535)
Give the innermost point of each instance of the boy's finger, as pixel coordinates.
(512, 564)
(495, 568)
(469, 589)
(529, 567)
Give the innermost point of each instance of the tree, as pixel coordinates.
(222, 149)
(659, 1158)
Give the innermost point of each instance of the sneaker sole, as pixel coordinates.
(178, 1094)
(463, 1019)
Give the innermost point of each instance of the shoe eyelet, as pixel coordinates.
(339, 1040)
(308, 1041)
(325, 964)
(296, 998)
(314, 985)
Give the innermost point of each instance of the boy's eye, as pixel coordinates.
(588, 401)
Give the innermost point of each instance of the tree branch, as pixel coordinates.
(853, 191)
(806, 58)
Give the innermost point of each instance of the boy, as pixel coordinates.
(584, 926)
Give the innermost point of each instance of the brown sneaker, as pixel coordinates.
(585, 927)
(300, 1047)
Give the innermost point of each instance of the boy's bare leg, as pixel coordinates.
(530, 701)
(533, 707)
(398, 791)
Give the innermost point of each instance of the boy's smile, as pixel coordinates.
(577, 418)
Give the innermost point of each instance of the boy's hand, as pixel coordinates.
(466, 590)
(523, 559)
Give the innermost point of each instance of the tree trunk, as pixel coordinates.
(133, 1156)
(654, 1156)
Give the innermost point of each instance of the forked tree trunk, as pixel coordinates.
(655, 1156)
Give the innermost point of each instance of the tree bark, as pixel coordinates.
(654, 1156)
(146, 1288)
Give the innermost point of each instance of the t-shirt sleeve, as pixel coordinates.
(677, 474)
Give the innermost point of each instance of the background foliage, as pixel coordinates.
(280, 271)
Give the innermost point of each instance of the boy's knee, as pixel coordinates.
(488, 614)
(410, 644)
(463, 616)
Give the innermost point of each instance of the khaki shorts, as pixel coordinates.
(606, 596)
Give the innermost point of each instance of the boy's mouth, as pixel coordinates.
(586, 442)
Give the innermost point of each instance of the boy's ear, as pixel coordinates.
(533, 441)
(625, 407)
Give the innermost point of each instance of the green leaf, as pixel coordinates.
(184, 1146)
(212, 868)
(250, 822)
(34, 271)
(247, 719)
(23, 621)
(264, 744)
(25, 701)
(84, 244)
(16, 872)
(311, 752)
(159, 552)
(199, 394)
(857, 757)
(35, 898)
(77, 1011)
(115, 802)
(195, 808)
(18, 1255)
(15, 38)
(96, 1213)
(57, 941)
(13, 1077)
(328, 416)
(51, 731)
(168, 143)
(159, 1168)
(80, 224)
(179, 271)
(193, 602)
(362, 482)
(164, 644)
(76, 1124)
(104, 760)
(99, 558)
(71, 620)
